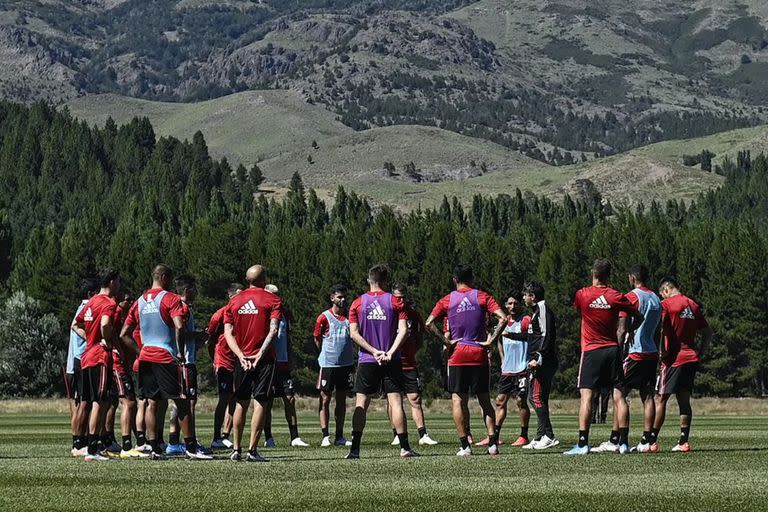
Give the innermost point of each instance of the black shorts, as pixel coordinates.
(600, 368)
(672, 379)
(161, 380)
(190, 380)
(225, 381)
(123, 385)
(514, 385)
(94, 383)
(412, 381)
(341, 377)
(255, 383)
(282, 384)
(468, 379)
(137, 387)
(72, 382)
(373, 378)
(640, 375)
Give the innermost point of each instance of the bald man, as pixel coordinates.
(251, 323)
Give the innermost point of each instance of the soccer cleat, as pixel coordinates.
(227, 443)
(464, 452)
(133, 453)
(114, 448)
(342, 441)
(256, 457)
(175, 449)
(156, 456)
(426, 440)
(299, 443)
(235, 456)
(144, 448)
(80, 452)
(204, 450)
(218, 444)
(395, 441)
(493, 450)
(521, 441)
(408, 454)
(531, 445)
(484, 442)
(607, 447)
(326, 442)
(197, 455)
(352, 455)
(623, 448)
(578, 450)
(270, 443)
(685, 447)
(546, 442)
(96, 457)
(111, 454)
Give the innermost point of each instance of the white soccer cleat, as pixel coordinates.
(326, 442)
(144, 448)
(299, 443)
(198, 455)
(235, 456)
(623, 449)
(80, 452)
(578, 450)
(227, 443)
(643, 448)
(606, 447)
(531, 445)
(545, 442)
(493, 450)
(96, 457)
(427, 441)
(407, 454)
(464, 452)
(395, 441)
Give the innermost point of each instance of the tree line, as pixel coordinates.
(74, 199)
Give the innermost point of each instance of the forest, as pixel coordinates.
(75, 199)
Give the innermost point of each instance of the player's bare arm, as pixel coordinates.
(78, 328)
(107, 332)
(500, 324)
(444, 337)
(274, 326)
(402, 332)
(126, 339)
(178, 326)
(354, 333)
(229, 335)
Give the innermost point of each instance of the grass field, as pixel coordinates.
(727, 469)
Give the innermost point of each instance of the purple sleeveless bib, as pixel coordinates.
(378, 324)
(466, 318)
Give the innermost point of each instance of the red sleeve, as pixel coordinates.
(229, 318)
(133, 314)
(173, 305)
(488, 302)
(353, 310)
(632, 298)
(80, 318)
(524, 323)
(321, 325)
(623, 305)
(110, 310)
(441, 308)
(185, 312)
(276, 309)
(215, 322)
(398, 304)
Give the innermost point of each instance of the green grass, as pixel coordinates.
(726, 470)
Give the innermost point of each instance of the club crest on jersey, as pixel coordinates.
(600, 303)
(375, 312)
(465, 305)
(687, 314)
(150, 308)
(88, 316)
(249, 308)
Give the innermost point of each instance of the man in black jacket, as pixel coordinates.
(541, 338)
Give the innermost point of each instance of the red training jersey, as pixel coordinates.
(681, 319)
(94, 310)
(410, 345)
(600, 307)
(222, 355)
(250, 312)
(170, 307)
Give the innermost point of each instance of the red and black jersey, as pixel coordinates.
(600, 307)
(681, 319)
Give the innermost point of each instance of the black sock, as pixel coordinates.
(645, 439)
(497, 431)
(583, 438)
(394, 432)
(492, 440)
(614, 437)
(404, 441)
(654, 435)
(225, 435)
(141, 438)
(356, 438)
(268, 431)
(294, 430)
(81, 442)
(422, 432)
(325, 432)
(464, 442)
(74, 441)
(524, 432)
(684, 433)
(190, 443)
(93, 444)
(174, 438)
(155, 444)
(127, 443)
(624, 435)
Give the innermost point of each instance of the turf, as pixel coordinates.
(727, 469)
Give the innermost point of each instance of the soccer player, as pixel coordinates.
(681, 321)
(95, 324)
(251, 323)
(378, 324)
(336, 361)
(468, 369)
(283, 381)
(159, 313)
(224, 370)
(78, 409)
(515, 359)
(408, 351)
(142, 445)
(600, 364)
(123, 381)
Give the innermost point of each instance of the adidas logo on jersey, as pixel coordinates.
(375, 312)
(465, 305)
(88, 316)
(150, 308)
(687, 314)
(600, 303)
(249, 308)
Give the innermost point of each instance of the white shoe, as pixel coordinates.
(545, 442)
(227, 443)
(299, 443)
(623, 449)
(407, 454)
(395, 441)
(493, 450)
(531, 445)
(326, 442)
(642, 448)
(464, 452)
(606, 447)
(80, 452)
(144, 448)
(198, 455)
(426, 440)
(96, 457)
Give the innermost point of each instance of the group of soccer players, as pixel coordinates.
(141, 356)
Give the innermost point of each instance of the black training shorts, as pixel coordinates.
(468, 379)
(341, 377)
(673, 379)
(373, 378)
(600, 368)
(161, 380)
(255, 383)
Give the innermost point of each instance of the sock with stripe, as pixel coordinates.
(404, 441)
(583, 438)
(684, 433)
(127, 443)
(464, 442)
(614, 437)
(422, 432)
